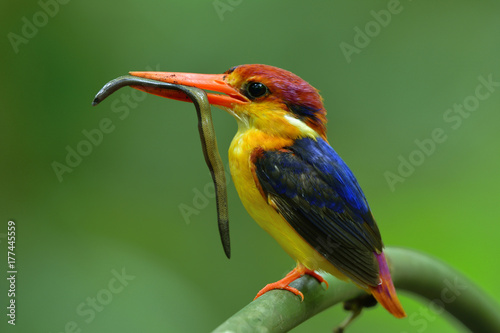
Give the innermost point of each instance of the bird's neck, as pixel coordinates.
(273, 127)
(247, 139)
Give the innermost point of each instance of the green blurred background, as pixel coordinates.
(118, 210)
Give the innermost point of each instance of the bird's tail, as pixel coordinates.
(385, 293)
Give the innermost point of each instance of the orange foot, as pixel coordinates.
(296, 273)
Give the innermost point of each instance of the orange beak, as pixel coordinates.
(213, 82)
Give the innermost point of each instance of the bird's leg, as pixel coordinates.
(295, 274)
(355, 306)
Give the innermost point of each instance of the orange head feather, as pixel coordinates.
(285, 91)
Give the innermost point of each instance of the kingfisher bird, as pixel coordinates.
(289, 178)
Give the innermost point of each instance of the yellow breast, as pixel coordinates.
(260, 208)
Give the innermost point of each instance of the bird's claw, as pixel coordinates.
(273, 286)
(295, 274)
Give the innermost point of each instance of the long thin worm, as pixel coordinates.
(207, 136)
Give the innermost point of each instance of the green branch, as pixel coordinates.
(417, 273)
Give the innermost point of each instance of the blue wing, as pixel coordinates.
(314, 190)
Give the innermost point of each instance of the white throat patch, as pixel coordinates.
(303, 128)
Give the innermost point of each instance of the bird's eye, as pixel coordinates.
(256, 90)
